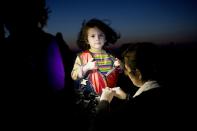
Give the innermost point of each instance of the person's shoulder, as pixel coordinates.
(155, 92)
(45, 34)
(150, 96)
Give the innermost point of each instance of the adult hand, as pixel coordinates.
(107, 94)
(119, 93)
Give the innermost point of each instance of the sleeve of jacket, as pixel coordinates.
(103, 107)
(77, 69)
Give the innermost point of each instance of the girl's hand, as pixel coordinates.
(91, 65)
(117, 62)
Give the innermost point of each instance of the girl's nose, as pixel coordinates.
(97, 38)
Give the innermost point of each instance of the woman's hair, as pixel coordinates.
(143, 56)
(110, 35)
(26, 12)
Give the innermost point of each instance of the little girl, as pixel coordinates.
(94, 65)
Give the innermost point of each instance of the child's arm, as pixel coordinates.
(79, 70)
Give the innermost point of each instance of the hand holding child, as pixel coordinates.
(107, 94)
(119, 93)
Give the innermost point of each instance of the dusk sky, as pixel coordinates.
(158, 21)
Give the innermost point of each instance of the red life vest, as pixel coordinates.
(97, 79)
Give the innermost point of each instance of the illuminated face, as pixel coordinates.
(96, 38)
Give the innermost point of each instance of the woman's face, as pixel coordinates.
(133, 74)
(96, 38)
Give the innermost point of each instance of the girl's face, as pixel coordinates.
(96, 38)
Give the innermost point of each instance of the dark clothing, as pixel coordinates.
(147, 111)
(36, 85)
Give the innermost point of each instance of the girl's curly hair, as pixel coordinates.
(110, 34)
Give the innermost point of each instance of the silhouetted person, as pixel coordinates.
(34, 71)
(67, 54)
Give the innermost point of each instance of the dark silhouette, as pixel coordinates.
(35, 74)
(67, 54)
(1, 32)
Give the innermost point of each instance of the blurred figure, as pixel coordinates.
(67, 54)
(34, 71)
